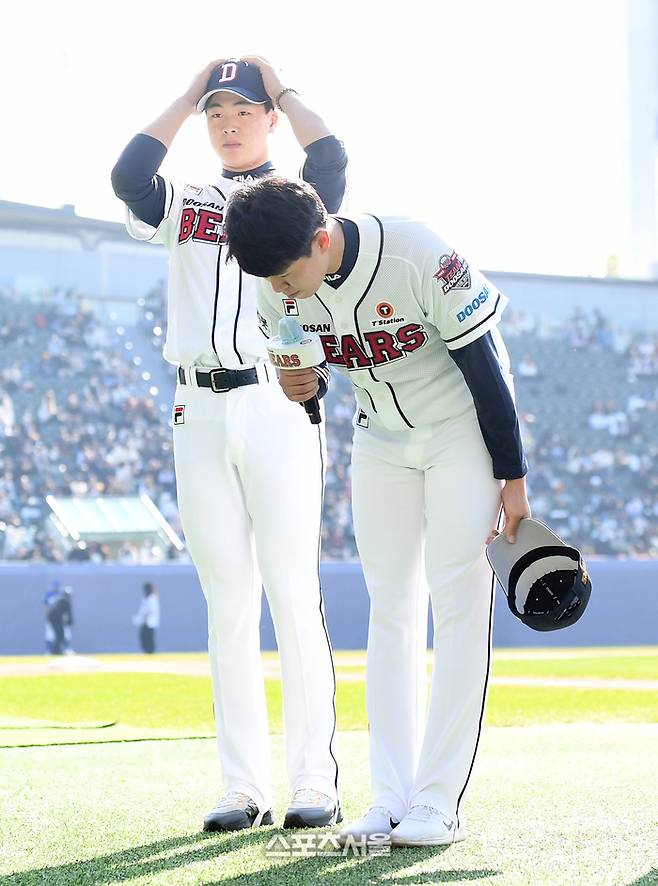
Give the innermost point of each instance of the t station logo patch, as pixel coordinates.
(290, 308)
(453, 273)
(386, 314)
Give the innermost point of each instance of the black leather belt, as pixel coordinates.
(221, 380)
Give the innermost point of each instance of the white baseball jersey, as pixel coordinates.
(234, 455)
(220, 329)
(418, 456)
(409, 299)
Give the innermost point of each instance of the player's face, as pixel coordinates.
(304, 276)
(238, 130)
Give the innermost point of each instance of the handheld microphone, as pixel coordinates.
(293, 348)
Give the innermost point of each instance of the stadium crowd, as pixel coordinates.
(79, 416)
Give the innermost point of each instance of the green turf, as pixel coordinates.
(551, 803)
(547, 806)
(615, 667)
(619, 663)
(161, 706)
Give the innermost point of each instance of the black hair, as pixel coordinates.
(267, 105)
(270, 223)
(147, 588)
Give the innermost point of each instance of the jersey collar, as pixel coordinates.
(367, 260)
(250, 174)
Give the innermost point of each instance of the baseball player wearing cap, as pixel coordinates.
(436, 451)
(249, 465)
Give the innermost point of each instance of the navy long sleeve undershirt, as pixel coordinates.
(136, 182)
(499, 423)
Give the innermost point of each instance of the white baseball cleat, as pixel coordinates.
(427, 826)
(377, 820)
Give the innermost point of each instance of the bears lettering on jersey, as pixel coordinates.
(201, 225)
(380, 347)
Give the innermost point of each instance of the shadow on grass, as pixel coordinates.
(651, 877)
(362, 872)
(169, 855)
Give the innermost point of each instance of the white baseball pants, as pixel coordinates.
(250, 471)
(424, 501)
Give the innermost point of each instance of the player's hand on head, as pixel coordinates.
(271, 76)
(198, 85)
(515, 508)
(299, 384)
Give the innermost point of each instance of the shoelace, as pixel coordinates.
(308, 795)
(424, 813)
(232, 798)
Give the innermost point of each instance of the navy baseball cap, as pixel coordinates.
(546, 581)
(238, 77)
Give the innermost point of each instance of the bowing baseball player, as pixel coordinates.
(436, 452)
(248, 462)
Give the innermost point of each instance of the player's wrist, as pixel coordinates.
(284, 94)
(186, 103)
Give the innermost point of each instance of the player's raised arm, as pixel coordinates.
(306, 124)
(166, 126)
(134, 177)
(326, 159)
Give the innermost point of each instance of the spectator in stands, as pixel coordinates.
(95, 429)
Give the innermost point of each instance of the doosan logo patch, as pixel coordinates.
(467, 310)
(290, 307)
(179, 415)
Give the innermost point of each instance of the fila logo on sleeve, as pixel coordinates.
(179, 415)
(290, 307)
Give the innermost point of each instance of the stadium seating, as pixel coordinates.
(78, 417)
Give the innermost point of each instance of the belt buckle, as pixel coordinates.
(222, 370)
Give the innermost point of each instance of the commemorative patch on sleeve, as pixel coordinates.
(453, 273)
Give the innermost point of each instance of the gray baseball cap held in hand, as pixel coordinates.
(546, 582)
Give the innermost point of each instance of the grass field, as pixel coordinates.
(565, 790)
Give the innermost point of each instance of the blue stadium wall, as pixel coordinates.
(623, 609)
